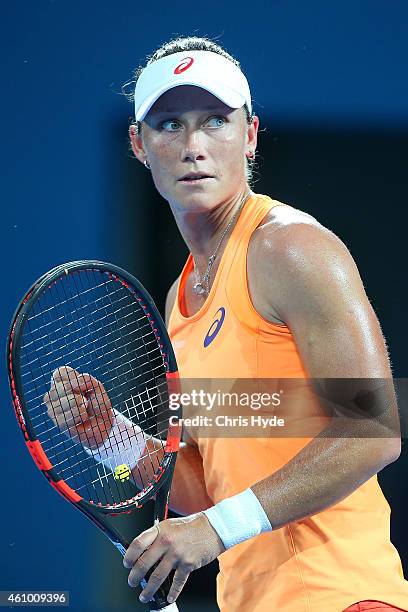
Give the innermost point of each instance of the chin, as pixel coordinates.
(195, 198)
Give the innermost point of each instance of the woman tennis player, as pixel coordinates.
(299, 524)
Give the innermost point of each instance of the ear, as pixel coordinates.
(252, 134)
(137, 143)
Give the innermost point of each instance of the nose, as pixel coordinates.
(193, 147)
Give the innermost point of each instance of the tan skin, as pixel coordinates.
(299, 274)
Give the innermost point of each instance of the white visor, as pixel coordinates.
(204, 69)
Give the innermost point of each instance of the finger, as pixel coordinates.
(157, 577)
(139, 545)
(100, 405)
(144, 563)
(72, 419)
(72, 380)
(69, 412)
(61, 389)
(179, 580)
(62, 384)
(92, 390)
(68, 404)
(98, 399)
(70, 423)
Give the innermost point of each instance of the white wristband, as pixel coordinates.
(125, 444)
(238, 518)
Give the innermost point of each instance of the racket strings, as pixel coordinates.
(61, 303)
(78, 481)
(158, 368)
(114, 336)
(53, 452)
(141, 464)
(148, 340)
(113, 391)
(42, 438)
(68, 335)
(75, 321)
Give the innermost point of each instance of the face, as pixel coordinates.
(196, 147)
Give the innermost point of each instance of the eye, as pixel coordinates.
(170, 125)
(216, 122)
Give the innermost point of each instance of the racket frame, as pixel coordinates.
(160, 487)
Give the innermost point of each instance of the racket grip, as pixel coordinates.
(159, 604)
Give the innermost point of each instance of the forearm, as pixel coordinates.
(325, 471)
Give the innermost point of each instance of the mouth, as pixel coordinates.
(195, 177)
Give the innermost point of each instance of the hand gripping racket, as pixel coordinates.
(91, 368)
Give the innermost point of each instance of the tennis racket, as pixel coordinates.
(91, 368)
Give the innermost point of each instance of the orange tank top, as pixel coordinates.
(322, 563)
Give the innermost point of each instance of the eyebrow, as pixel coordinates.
(202, 108)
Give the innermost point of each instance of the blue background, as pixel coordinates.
(71, 191)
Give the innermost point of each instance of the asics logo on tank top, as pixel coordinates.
(184, 65)
(215, 326)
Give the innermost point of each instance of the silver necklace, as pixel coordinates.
(202, 286)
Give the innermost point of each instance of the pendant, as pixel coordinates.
(198, 289)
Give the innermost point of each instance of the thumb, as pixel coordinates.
(87, 383)
(64, 373)
(98, 402)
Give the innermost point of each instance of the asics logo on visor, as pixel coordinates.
(184, 65)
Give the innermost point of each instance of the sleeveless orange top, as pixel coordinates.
(322, 563)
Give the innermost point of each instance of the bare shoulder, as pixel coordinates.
(285, 229)
(284, 222)
(292, 247)
(170, 299)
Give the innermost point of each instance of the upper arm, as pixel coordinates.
(307, 275)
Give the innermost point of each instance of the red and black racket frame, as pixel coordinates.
(160, 487)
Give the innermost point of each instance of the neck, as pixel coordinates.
(202, 230)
